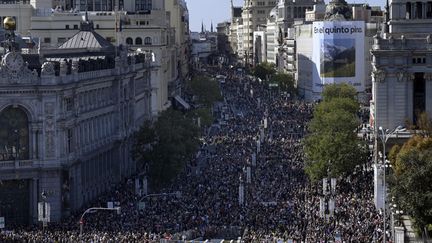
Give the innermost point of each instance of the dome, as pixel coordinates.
(338, 10)
(9, 23)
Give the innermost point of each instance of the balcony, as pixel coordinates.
(16, 164)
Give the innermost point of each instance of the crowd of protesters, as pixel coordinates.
(257, 143)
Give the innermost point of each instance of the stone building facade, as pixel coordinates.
(67, 117)
(159, 26)
(402, 59)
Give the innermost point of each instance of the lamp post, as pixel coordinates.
(92, 210)
(384, 135)
(177, 194)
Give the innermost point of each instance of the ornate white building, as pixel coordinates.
(402, 71)
(67, 116)
(159, 26)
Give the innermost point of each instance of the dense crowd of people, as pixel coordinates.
(259, 146)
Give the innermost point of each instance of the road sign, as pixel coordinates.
(2, 222)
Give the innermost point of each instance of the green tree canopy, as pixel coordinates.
(412, 180)
(336, 115)
(334, 153)
(332, 145)
(264, 70)
(285, 81)
(342, 90)
(206, 89)
(166, 146)
(204, 114)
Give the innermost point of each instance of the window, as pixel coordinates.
(68, 103)
(129, 41)
(14, 135)
(419, 60)
(61, 40)
(67, 27)
(69, 141)
(138, 41)
(97, 26)
(147, 41)
(141, 5)
(75, 26)
(47, 40)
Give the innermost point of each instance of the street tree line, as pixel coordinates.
(411, 178)
(163, 147)
(268, 74)
(332, 147)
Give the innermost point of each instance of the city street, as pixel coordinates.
(257, 148)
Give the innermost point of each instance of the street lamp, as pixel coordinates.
(384, 135)
(92, 210)
(177, 194)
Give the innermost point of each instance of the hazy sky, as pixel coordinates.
(219, 11)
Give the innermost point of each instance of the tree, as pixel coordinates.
(285, 82)
(412, 180)
(165, 146)
(332, 145)
(334, 153)
(207, 90)
(338, 114)
(205, 115)
(264, 70)
(424, 123)
(342, 90)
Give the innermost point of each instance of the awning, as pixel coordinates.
(182, 102)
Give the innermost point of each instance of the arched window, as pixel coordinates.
(147, 41)
(138, 41)
(14, 134)
(129, 41)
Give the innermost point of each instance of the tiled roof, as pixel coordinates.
(86, 39)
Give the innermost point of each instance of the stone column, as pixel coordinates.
(34, 200)
(410, 96)
(399, 234)
(428, 92)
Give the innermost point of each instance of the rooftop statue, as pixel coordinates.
(338, 10)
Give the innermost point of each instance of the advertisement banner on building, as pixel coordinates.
(338, 54)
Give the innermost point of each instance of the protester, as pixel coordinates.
(279, 201)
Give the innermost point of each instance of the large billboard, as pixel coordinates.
(338, 53)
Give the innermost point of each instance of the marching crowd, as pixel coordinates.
(259, 148)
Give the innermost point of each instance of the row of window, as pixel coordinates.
(261, 3)
(94, 99)
(419, 60)
(92, 130)
(139, 41)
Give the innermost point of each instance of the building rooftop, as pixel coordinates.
(87, 38)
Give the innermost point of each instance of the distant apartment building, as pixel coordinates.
(254, 13)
